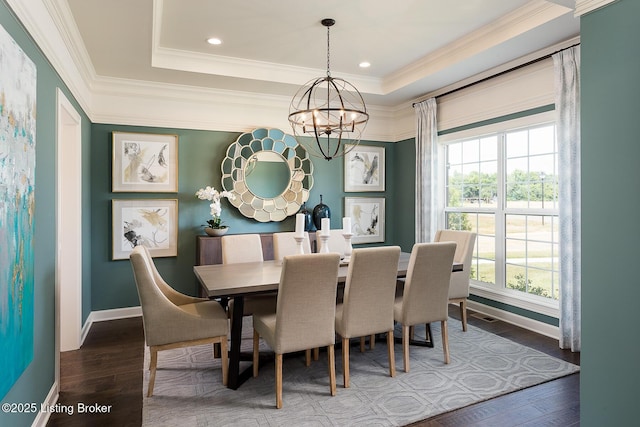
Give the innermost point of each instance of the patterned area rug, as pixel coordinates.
(189, 391)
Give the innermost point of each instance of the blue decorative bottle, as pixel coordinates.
(320, 211)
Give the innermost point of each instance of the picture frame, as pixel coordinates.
(364, 168)
(149, 222)
(367, 218)
(144, 162)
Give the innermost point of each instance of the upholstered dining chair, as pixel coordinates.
(237, 248)
(285, 244)
(367, 307)
(172, 319)
(459, 285)
(305, 314)
(425, 296)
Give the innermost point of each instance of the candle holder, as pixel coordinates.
(324, 243)
(299, 240)
(348, 249)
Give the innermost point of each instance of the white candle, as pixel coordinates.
(299, 225)
(346, 224)
(326, 226)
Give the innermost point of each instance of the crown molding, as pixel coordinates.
(42, 18)
(175, 59)
(181, 60)
(521, 20)
(143, 103)
(585, 6)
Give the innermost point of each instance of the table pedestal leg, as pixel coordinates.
(427, 342)
(236, 339)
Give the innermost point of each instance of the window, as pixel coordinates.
(504, 186)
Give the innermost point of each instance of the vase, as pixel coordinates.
(216, 231)
(320, 211)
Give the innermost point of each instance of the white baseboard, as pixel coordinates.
(43, 416)
(113, 314)
(515, 319)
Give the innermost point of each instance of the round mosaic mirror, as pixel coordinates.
(270, 174)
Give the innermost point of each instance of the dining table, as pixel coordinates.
(236, 281)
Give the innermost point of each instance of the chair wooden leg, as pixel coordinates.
(372, 341)
(224, 359)
(278, 381)
(256, 353)
(332, 369)
(345, 361)
(392, 356)
(307, 357)
(412, 332)
(152, 369)
(463, 314)
(405, 347)
(361, 344)
(316, 353)
(445, 341)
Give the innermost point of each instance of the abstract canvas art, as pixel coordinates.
(367, 218)
(17, 208)
(144, 162)
(149, 222)
(364, 168)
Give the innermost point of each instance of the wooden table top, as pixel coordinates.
(229, 280)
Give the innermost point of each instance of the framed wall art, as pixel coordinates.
(149, 222)
(144, 162)
(364, 169)
(367, 218)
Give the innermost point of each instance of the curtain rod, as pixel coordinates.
(517, 67)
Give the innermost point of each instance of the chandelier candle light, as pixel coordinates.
(330, 110)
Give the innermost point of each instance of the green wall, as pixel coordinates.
(404, 173)
(200, 154)
(37, 380)
(610, 204)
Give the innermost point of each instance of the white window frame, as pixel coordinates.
(502, 294)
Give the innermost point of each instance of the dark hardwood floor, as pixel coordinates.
(107, 370)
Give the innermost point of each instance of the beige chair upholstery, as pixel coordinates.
(174, 320)
(426, 292)
(285, 244)
(336, 241)
(459, 286)
(368, 301)
(238, 248)
(305, 313)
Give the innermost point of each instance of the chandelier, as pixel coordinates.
(330, 110)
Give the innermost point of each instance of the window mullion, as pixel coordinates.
(500, 216)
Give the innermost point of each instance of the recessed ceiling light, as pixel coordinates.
(364, 64)
(214, 40)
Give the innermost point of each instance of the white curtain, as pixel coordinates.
(567, 101)
(427, 189)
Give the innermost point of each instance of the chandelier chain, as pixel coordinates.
(328, 50)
